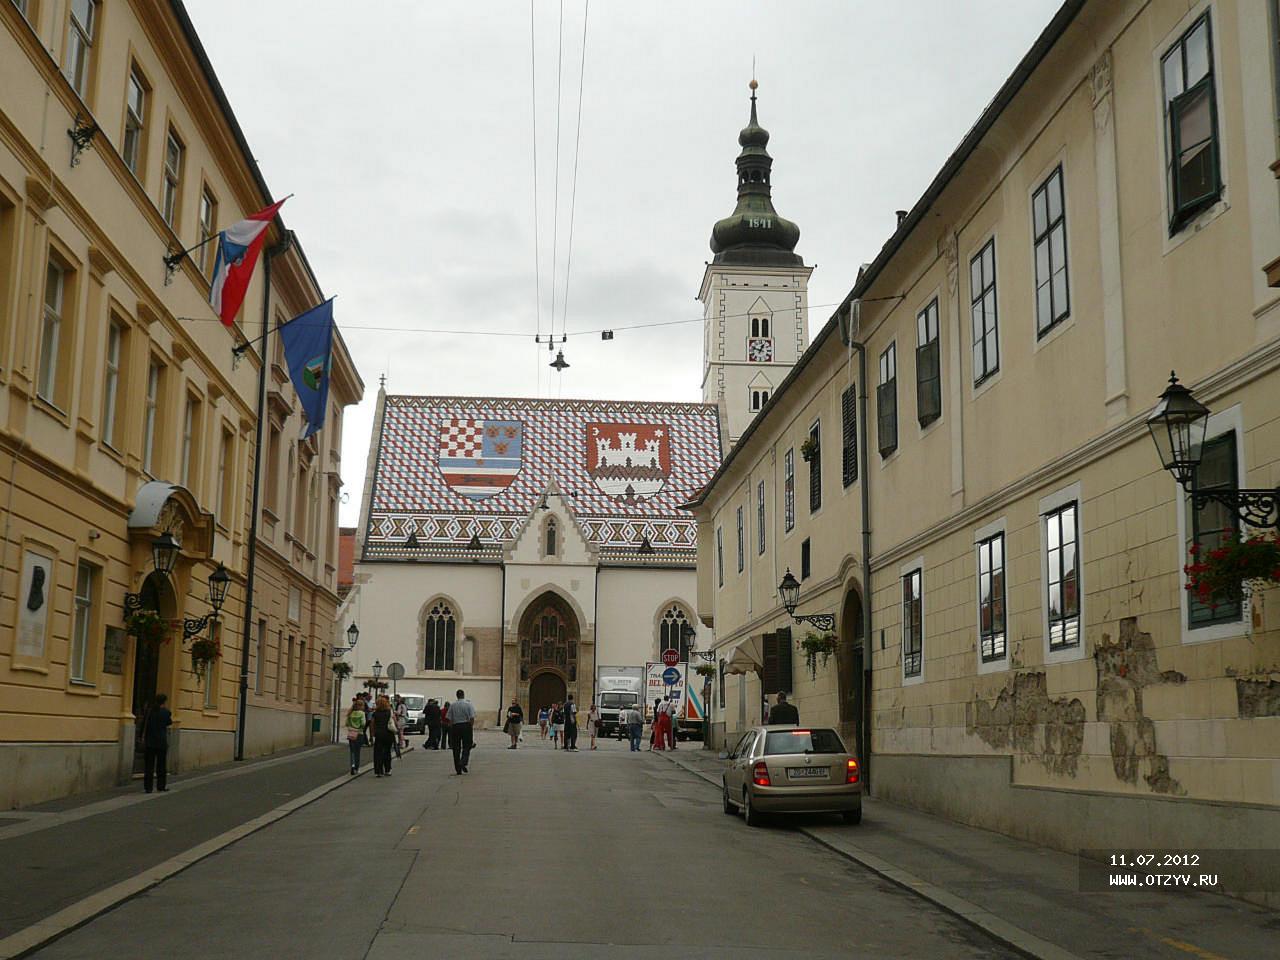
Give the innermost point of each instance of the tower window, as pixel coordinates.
(551, 538)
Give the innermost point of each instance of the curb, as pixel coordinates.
(45, 931)
(1016, 938)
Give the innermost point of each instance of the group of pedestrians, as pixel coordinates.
(559, 723)
(382, 724)
(663, 734)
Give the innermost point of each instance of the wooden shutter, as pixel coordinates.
(887, 412)
(848, 437)
(769, 682)
(782, 639)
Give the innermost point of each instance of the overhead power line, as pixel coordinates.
(573, 194)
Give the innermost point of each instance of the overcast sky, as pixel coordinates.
(406, 131)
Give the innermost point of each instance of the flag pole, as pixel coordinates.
(281, 247)
(243, 348)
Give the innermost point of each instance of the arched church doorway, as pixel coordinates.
(852, 683)
(549, 636)
(156, 594)
(545, 688)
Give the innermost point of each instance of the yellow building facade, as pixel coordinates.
(124, 415)
(1014, 643)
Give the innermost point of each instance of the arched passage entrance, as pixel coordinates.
(156, 594)
(549, 635)
(852, 682)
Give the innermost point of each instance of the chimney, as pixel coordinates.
(902, 215)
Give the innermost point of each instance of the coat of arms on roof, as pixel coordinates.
(480, 458)
(628, 461)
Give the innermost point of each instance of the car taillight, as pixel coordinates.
(852, 775)
(760, 774)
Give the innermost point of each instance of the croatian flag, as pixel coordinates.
(238, 249)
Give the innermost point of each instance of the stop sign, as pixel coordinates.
(670, 658)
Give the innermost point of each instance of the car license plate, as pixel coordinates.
(807, 773)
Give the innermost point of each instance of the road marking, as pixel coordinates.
(1182, 945)
(412, 831)
(31, 938)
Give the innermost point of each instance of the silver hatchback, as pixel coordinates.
(789, 769)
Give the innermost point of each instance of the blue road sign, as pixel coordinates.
(671, 676)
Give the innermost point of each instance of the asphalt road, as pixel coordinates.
(534, 854)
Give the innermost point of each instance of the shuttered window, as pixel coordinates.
(777, 663)
(928, 366)
(848, 436)
(887, 401)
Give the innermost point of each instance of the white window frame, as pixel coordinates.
(80, 38)
(1059, 163)
(171, 179)
(911, 566)
(51, 332)
(1224, 421)
(762, 517)
(134, 121)
(789, 491)
(226, 461)
(189, 414)
(978, 388)
(111, 382)
(208, 227)
(996, 527)
(1047, 505)
(742, 542)
(720, 556)
(155, 373)
(82, 624)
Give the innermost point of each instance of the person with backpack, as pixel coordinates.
(355, 724)
(570, 724)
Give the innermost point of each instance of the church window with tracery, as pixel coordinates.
(551, 538)
(439, 638)
(671, 633)
(549, 644)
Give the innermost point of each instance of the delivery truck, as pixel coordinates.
(618, 689)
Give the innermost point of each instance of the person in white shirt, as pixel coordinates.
(462, 716)
(593, 721)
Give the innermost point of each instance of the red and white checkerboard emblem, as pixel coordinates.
(480, 458)
(461, 438)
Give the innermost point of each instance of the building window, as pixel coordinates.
(887, 401)
(848, 436)
(226, 462)
(154, 373)
(300, 504)
(982, 307)
(272, 498)
(991, 617)
(288, 670)
(190, 442)
(1062, 580)
(760, 516)
(55, 288)
(720, 555)
(1191, 125)
(741, 541)
(776, 675)
(208, 229)
(551, 538)
(806, 561)
(815, 467)
(295, 605)
(1213, 524)
(111, 383)
(171, 192)
(80, 37)
(789, 489)
(928, 365)
(760, 326)
(1049, 226)
(86, 589)
(912, 624)
(262, 656)
(135, 112)
(439, 639)
(671, 633)
(759, 398)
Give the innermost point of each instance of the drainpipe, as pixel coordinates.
(502, 643)
(864, 738)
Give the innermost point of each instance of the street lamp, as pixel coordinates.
(689, 634)
(219, 581)
(1178, 425)
(377, 672)
(789, 588)
(353, 634)
(164, 552)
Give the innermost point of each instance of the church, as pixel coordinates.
(517, 547)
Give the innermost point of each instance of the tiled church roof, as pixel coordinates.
(450, 467)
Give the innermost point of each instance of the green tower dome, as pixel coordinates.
(754, 233)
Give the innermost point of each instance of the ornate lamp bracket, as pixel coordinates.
(1257, 508)
(81, 135)
(707, 655)
(192, 627)
(132, 604)
(823, 621)
(172, 260)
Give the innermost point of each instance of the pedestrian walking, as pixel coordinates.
(635, 727)
(355, 724)
(557, 720)
(515, 720)
(444, 725)
(784, 712)
(402, 712)
(593, 723)
(673, 711)
(384, 737)
(543, 716)
(431, 716)
(155, 745)
(462, 716)
(655, 727)
(570, 724)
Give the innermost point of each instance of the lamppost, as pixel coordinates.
(1178, 426)
(164, 556)
(689, 634)
(789, 588)
(377, 672)
(353, 634)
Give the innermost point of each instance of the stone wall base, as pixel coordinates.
(32, 773)
(268, 731)
(979, 791)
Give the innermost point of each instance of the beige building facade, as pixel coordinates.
(123, 415)
(1016, 649)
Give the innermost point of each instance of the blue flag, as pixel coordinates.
(308, 347)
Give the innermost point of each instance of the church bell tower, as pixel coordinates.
(754, 293)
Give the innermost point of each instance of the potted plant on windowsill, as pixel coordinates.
(341, 670)
(809, 450)
(1233, 571)
(203, 652)
(147, 626)
(817, 645)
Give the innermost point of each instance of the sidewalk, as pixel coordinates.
(1027, 895)
(62, 852)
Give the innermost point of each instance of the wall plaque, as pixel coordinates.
(113, 651)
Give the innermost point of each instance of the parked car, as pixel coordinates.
(414, 704)
(788, 769)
